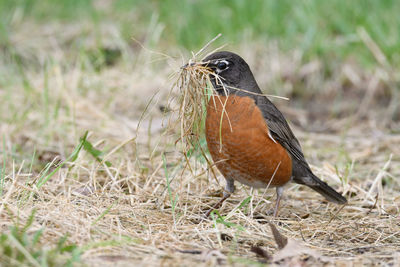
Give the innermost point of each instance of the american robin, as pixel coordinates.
(249, 138)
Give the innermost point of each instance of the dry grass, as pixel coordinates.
(146, 207)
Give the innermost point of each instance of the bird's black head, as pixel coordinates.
(233, 71)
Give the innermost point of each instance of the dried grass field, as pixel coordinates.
(92, 172)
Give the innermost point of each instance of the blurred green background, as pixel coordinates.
(340, 53)
(324, 29)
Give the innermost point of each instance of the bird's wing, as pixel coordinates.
(280, 130)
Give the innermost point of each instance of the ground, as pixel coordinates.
(92, 170)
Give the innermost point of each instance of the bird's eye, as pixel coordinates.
(222, 65)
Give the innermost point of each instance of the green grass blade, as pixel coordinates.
(23, 250)
(36, 237)
(87, 146)
(107, 210)
(29, 221)
(43, 179)
(172, 200)
(245, 202)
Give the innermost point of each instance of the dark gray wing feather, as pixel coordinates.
(280, 129)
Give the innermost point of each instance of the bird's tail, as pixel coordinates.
(328, 192)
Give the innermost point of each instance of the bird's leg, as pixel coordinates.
(279, 192)
(229, 189)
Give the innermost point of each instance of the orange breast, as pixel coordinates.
(239, 143)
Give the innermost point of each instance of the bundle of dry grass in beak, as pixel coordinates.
(195, 88)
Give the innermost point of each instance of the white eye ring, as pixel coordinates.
(221, 65)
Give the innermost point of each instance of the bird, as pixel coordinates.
(247, 136)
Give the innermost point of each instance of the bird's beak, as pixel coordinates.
(197, 64)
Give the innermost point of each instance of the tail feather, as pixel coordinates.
(323, 188)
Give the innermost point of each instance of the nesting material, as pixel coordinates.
(194, 89)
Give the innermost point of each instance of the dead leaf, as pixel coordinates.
(280, 239)
(294, 248)
(260, 252)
